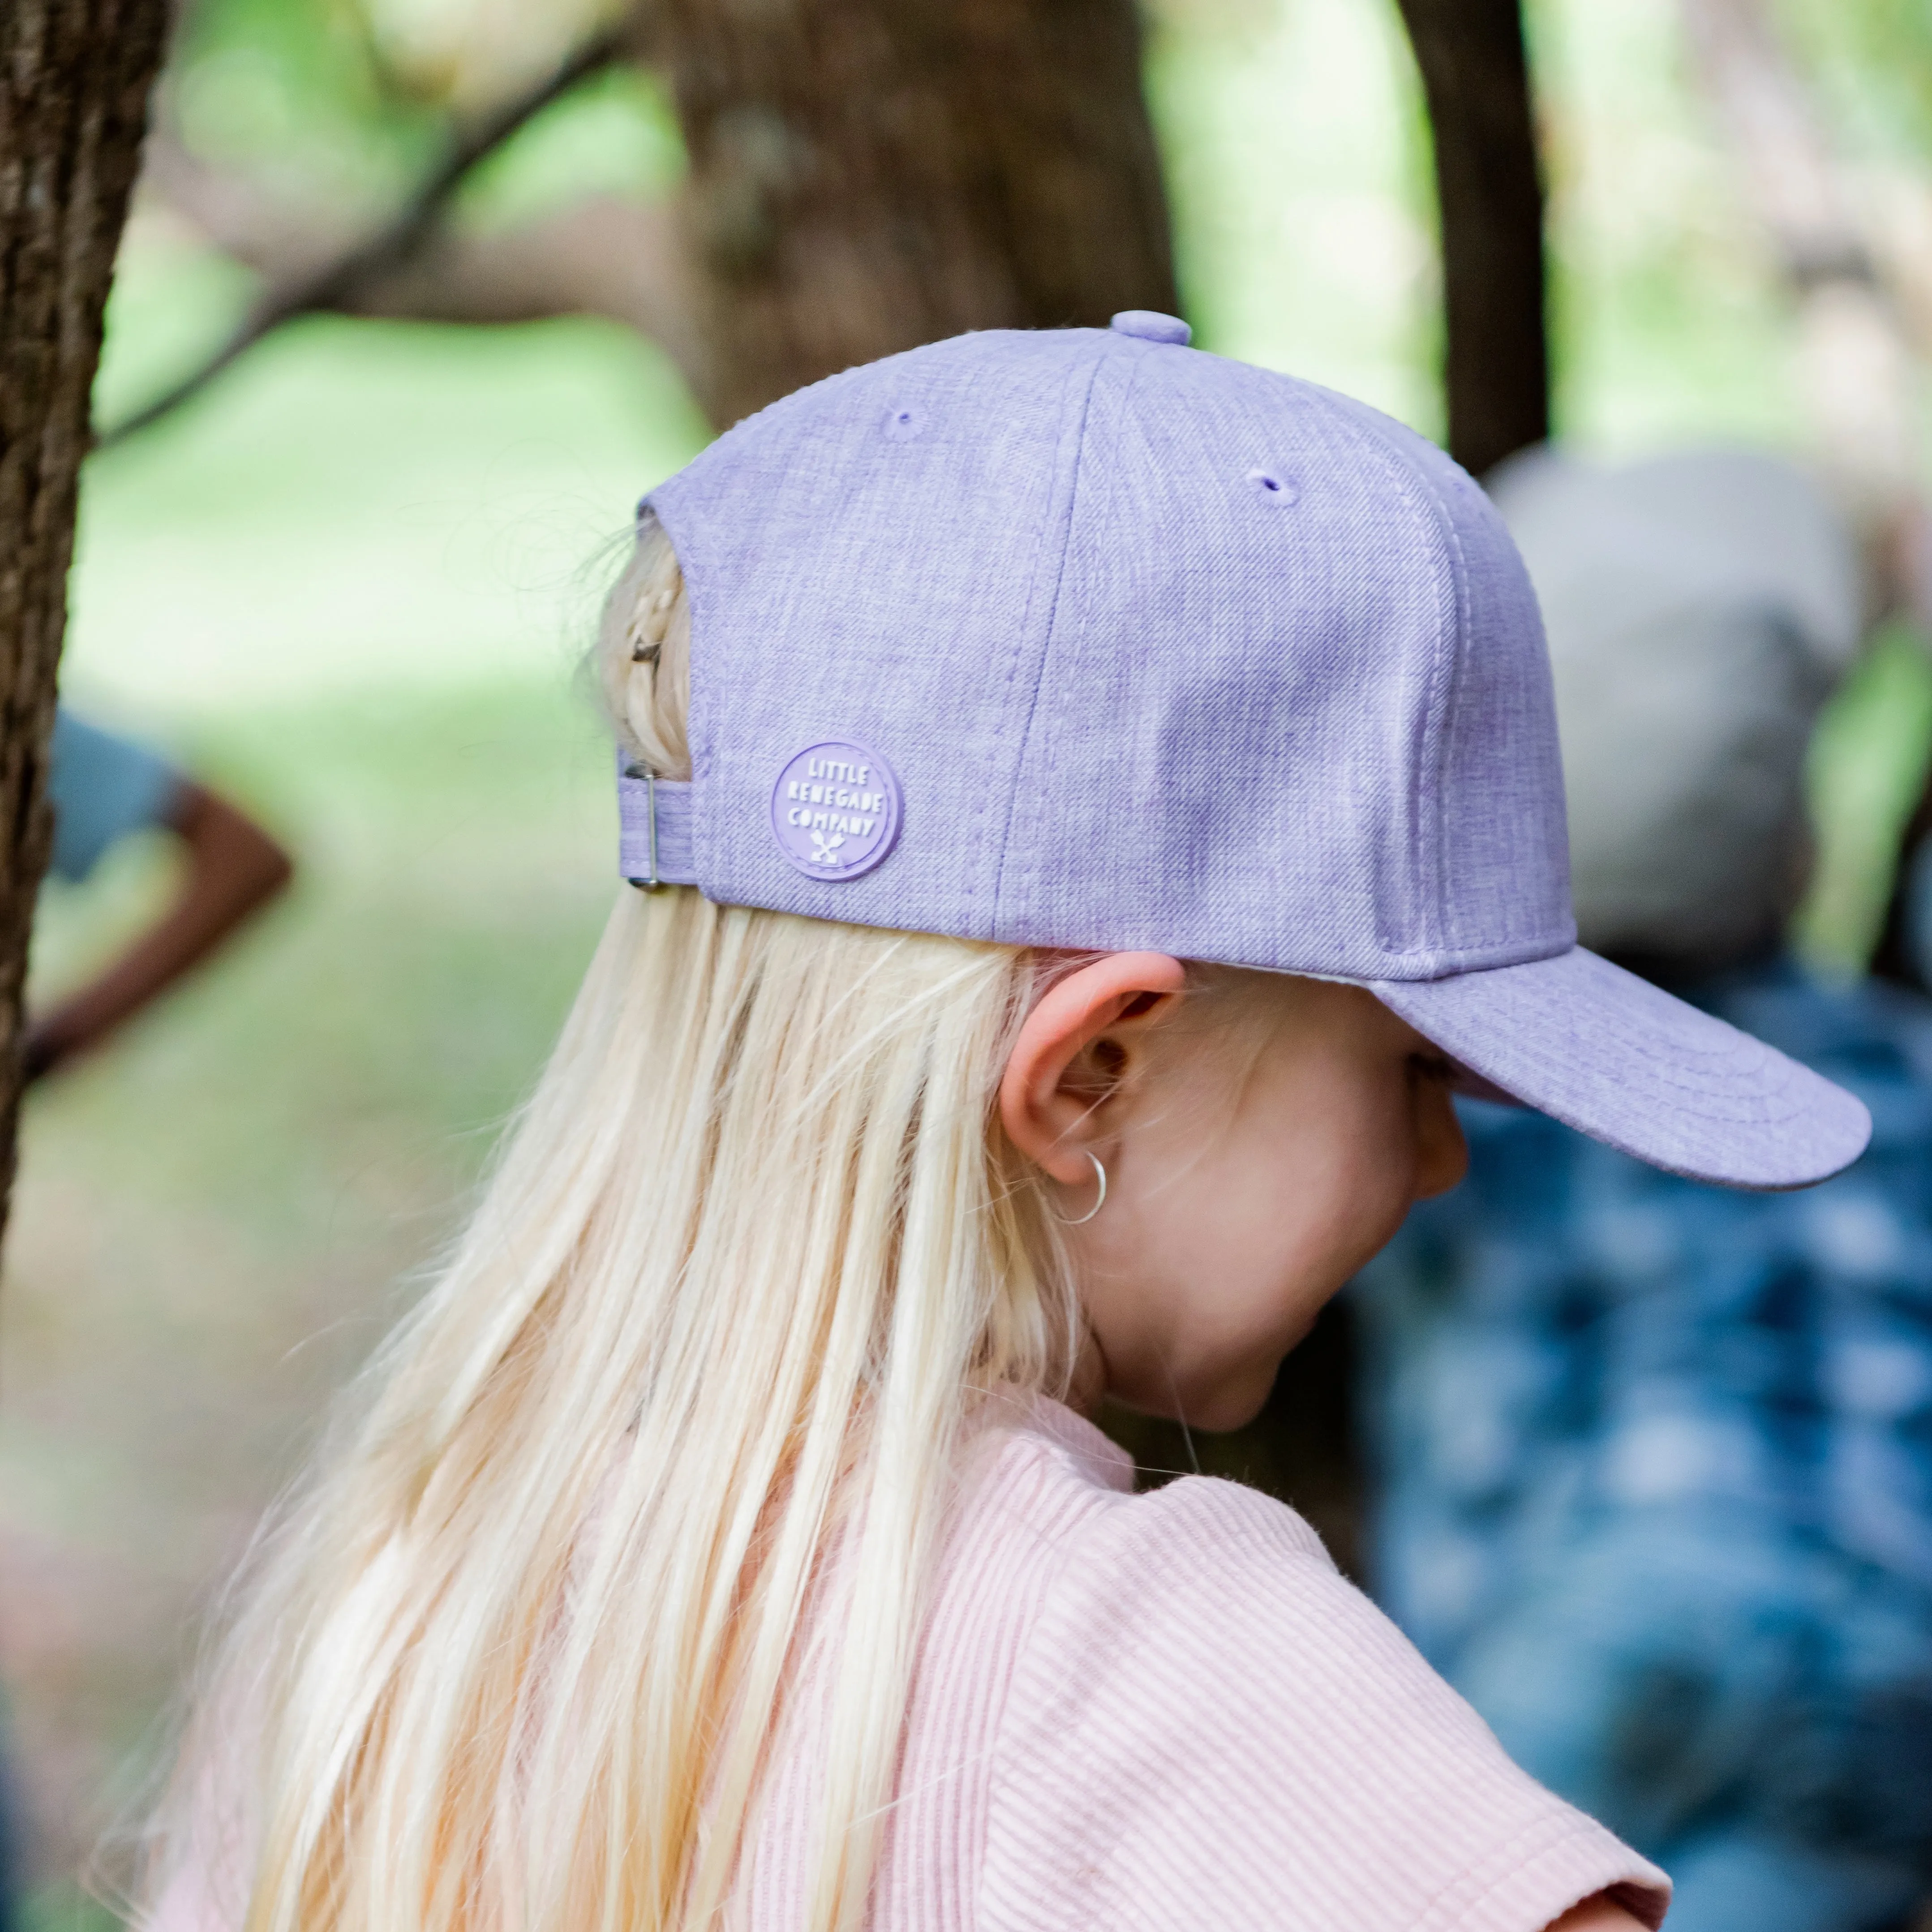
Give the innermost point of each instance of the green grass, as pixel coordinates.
(63, 1907)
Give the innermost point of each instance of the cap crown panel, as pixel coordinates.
(847, 583)
(1211, 773)
(1501, 874)
(1165, 651)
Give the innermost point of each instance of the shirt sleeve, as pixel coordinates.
(103, 788)
(1211, 1728)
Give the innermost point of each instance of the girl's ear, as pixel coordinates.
(1054, 1080)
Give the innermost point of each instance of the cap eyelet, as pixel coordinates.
(1273, 487)
(902, 423)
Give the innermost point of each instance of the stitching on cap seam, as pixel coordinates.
(1076, 653)
(984, 929)
(1444, 962)
(1442, 679)
(1046, 635)
(1408, 477)
(1512, 930)
(980, 926)
(1452, 714)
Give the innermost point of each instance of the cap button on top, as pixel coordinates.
(1150, 325)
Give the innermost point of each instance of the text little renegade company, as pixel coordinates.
(839, 791)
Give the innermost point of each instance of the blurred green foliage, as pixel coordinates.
(296, 90)
(1868, 761)
(1872, 60)
(303, 96)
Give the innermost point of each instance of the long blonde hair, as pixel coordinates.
(515, 1657)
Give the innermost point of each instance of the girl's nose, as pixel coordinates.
(1441, 1153)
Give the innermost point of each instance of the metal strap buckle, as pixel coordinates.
(650, 778)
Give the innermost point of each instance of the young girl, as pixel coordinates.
(1083, 792)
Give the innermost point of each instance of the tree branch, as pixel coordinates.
(333, 285)
(603, 256)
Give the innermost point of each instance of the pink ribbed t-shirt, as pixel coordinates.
(1165, 1712)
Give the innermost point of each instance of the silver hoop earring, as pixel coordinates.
(1080, 1220)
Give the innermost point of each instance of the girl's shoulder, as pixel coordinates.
(1201, 1721)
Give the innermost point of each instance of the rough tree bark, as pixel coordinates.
(1489, 185)
(869, 175)
(74, 77)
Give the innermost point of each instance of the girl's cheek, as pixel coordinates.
(1393, 1155)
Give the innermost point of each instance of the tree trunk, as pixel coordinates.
(1475, 77)
(869, 175)
(74, 76)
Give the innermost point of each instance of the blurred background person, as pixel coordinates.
(1651, 1461)
(106, 788)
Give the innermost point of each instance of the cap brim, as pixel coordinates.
(1609, 1055)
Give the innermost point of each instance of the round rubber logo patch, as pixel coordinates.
(836, 809)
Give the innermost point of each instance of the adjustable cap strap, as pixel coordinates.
(654, 828)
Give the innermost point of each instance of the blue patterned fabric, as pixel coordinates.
(1655, 1479)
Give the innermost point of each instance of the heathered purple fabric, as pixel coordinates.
(1166, 651)
(1608, 1054)
(638, 804)
(1134, 697)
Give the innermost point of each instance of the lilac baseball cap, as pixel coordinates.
(1084, 638)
